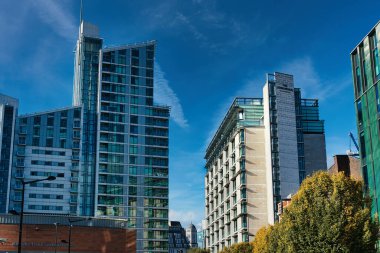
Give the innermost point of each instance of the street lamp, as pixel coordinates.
(50, 178)
(56, 235)
(71, 221)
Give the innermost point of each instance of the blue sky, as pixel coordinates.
(208, 52)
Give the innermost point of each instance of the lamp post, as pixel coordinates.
(56, 236)
(71, 221)
(50, 178)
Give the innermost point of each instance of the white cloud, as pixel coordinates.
(165, 95)
(186, 217)
(54, 15)
(307, 78)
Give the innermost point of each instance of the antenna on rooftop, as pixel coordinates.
(81, 12)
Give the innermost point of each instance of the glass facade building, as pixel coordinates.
(365, 63)
(125, 137)
(109, 151)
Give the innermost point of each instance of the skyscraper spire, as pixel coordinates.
(81, 12)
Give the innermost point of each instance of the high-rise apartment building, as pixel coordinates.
(260, 153)
(108, 152)
(47, 144)
(365, 61)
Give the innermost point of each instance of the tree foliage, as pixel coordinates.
(260, 244)
(329, 213)
(242, 247)
(198, 250)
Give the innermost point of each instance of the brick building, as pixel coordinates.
(41, 234)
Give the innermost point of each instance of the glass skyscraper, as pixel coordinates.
(124, 156)
(365, 62)
(108, 152)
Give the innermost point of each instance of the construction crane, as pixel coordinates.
(350, 152)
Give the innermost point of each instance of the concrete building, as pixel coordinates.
(366, 75)
(260, 153)
(50, 233)
(108, 151)
(349, 165)
(178, 242)
(8, 113)
(191, 235)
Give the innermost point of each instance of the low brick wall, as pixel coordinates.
(41, 238)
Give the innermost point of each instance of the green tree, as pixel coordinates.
(242, 247)
(329, 213)
(261, 242)
(198, 250)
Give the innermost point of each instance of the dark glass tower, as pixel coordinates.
(8, 113)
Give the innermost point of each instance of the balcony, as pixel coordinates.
(22, 131)
(20, 164)
(74, 190)
(17, 186)
(75, 157)
(73, 200)
(74, 179)
(74, 168)
(20, 153)
(76, 124)
(17, 198)
(19, 175)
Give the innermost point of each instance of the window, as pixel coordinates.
(360, 112)
(358, 74)
(49, 142)
(366, 74)
(134, 119)
(242, 135)
(36, 141)
(362, 146)
(365, 176)
(375, 55)
(132, 159)
(50, 121)
(377, 98)
(133, 129)
(133, 139)
(37, 120)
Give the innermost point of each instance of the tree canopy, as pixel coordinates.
(198, 250)
(242, 247)
(329, 213)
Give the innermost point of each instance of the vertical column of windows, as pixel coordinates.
(112, 191)
(375, 55)
(358, 75)
(274, 145)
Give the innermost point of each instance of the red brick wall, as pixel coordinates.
(41, 238)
